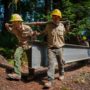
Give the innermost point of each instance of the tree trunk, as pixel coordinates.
(57, 4)
(47, 6)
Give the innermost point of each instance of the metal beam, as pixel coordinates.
(71, 53)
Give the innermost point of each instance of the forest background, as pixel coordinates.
(76, 12)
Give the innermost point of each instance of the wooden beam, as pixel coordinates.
(35, 23)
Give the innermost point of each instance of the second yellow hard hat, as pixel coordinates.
(16, 17)
(56, 12)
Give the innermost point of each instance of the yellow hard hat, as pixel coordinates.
(84, 37)
(56, 12)
(16, 17)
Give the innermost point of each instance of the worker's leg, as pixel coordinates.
(17, 60)
(59, 55)
(51, 66)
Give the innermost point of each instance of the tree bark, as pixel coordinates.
(57, 4)
(47, 6)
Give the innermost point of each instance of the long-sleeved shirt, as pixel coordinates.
(55, 34)
(23, 35)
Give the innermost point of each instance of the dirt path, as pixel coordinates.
(76, 78)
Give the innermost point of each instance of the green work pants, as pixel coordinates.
(17, 59)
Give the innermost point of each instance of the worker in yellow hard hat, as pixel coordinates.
(23, 33)
(56, 16)
(55, 39)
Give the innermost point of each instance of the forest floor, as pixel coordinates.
(77, 77)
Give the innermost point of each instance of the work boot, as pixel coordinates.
(48, 84)
(61, 77)
(14, 76)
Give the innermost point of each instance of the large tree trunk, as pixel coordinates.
(6, 13)
(47, 6)
(6, 10)
(57, 4)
